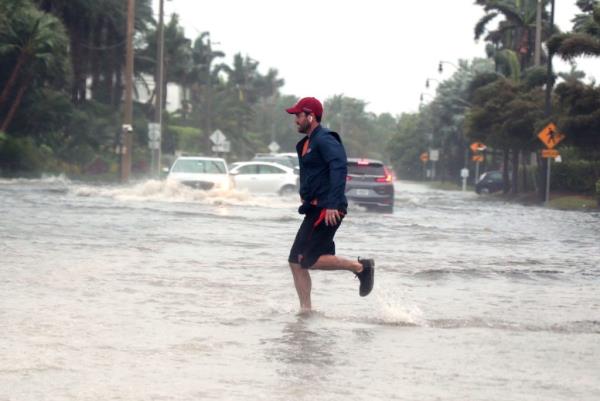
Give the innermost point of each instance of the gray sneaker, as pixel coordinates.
(366, 276)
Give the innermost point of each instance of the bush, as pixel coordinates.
(576, 176)
(23, 155)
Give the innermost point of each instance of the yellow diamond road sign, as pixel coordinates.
(550, 136)
(478, 147)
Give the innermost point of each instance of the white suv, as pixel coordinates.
(201, 172)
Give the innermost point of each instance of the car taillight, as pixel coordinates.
(386, 178)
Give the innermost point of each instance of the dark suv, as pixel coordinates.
(369, 183)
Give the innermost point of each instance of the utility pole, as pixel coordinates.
(127, 128)
(538, 34)
(160, 40)
(548, 111)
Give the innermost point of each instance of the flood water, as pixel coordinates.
(155, 291)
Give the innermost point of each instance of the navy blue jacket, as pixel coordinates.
(323, 170)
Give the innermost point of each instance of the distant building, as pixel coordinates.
(143, 91)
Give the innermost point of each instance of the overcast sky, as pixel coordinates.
(380, 51)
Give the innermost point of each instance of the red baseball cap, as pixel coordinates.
(307, 105)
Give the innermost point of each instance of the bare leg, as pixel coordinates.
(303, 285)
(332, 262)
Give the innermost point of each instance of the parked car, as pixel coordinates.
(490, 181)
(369, 183)
(201, 172)
(265, 177)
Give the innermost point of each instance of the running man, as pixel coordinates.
(323, 170)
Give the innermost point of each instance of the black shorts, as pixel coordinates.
(314, 239)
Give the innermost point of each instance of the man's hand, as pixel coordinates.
(332, 217)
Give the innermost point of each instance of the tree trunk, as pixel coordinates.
(115, 73)
(524, 165)
(76, 58)
(515, 172)
(96, 57)
(13, 78)
(542, 166)
(14, 107)
(506, 160)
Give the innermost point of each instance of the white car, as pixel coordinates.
(264, 177)
(201, 172)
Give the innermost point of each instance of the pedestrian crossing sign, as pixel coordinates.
(550, 136)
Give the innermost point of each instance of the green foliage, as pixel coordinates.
(406, 146)
(505, 114)
(514, 31)
(33, 47)
(23, 155)
(187, 139)
(580, 116)
(575, 176)
(348, 117)
(584, 40)
(508, 61)
(44, 111)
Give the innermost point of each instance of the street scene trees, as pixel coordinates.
(502, 104)
(62, 89)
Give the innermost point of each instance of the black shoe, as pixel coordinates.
(366, 276)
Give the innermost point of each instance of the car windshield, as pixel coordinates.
(365, 169)
(494, 175)
(199, 166)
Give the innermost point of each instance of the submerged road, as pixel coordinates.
(155, 291)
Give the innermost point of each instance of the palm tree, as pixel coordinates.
(177, 56)
(517, 29)
(512, 46)
(573, 76)
(97, 42)
(38, 43)
(201, 84)
(585, 38)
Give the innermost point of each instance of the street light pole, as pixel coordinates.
(422, 96)
(430, 79)
(160, 32)
(441, 66)
(127, 130)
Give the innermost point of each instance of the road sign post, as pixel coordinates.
(550, 137)
(477, 148)
(274, 147)
(154, 138)
(221, 144)
(424, 157)
(434, 156)
(464, 173)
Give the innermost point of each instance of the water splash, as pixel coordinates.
(395, 310)
(173, 191)
(60, 179)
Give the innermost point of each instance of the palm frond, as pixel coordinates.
(508, 11)
(510, 59)
(569, 46)
(482, 23)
